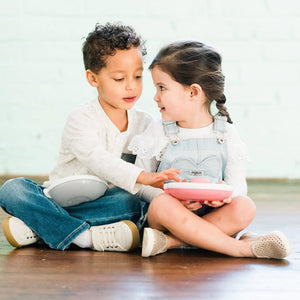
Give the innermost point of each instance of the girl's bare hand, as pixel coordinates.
(216, 204)
(191, 205)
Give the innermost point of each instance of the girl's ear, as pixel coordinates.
(195, 90)
(91, 78)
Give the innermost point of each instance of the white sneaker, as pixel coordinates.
(271, 245)
(154, 242)
(17, 233)
(121, 236)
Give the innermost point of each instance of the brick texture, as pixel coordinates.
(42, 75)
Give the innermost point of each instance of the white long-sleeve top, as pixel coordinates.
(92, 144)
(151, 145)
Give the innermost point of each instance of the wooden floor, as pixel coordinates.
(41, 273)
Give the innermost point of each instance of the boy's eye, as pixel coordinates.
(118, 79)
(139, 77)
(161, 88)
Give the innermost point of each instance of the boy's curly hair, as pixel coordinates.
(105, 40)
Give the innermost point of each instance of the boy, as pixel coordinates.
(95, 137)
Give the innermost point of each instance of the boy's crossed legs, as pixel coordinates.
(81, 224)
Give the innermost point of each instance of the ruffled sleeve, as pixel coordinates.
(238, 158)
(150, 144)
(149, 148)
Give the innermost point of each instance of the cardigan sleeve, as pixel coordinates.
(90, 149)
(147, 193)
(235, 172)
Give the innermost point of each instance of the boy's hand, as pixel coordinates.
(157, 179)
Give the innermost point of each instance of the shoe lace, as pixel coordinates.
(108, 238)
(29, 234)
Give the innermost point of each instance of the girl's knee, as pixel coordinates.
(161, 205)
(243, 210)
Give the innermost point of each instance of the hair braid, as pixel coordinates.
(220, 104)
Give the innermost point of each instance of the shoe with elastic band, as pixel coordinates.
(17, 233)
(271, 245)
(154, 242)
(121, 236)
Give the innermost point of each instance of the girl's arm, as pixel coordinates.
(235, 172)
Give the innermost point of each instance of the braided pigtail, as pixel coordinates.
(220, 104)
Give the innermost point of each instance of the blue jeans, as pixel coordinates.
(58, 226)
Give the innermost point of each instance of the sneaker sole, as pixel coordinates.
(135, 234)
(148, 240)
(8, 235)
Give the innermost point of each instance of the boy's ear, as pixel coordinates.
(195, 90)
(91, 78)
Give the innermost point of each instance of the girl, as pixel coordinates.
(188, 78)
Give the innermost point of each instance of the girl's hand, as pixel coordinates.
(157, 179)
(216, 204)
(191, 205)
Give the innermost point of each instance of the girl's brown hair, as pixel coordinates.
(190, 62)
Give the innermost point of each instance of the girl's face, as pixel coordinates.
(171, 97)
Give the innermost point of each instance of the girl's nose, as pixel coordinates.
(156, 98)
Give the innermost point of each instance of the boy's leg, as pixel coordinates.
(25, 200)
(115, 205)
(58, 226)
(112, 218)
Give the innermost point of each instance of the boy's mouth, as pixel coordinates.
(129, 99)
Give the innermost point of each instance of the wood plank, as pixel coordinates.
(41, 273)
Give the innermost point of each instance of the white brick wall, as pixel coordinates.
(42, 75)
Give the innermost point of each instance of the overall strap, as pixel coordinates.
(171, 131)
(220, 127)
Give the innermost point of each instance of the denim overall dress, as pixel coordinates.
(197, 157)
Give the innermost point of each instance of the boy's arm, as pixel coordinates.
(84, 142)
(147, 193)
(87, 142)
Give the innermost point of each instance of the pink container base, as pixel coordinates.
(200, 195)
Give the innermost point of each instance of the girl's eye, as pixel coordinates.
(161, 88)
(139, 77)
(118, 79)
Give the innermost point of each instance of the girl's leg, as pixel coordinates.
(187, 227)
(233, 217)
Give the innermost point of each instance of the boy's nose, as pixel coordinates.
(130, 85)
(156, 98)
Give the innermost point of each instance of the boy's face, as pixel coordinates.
(119, 83)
